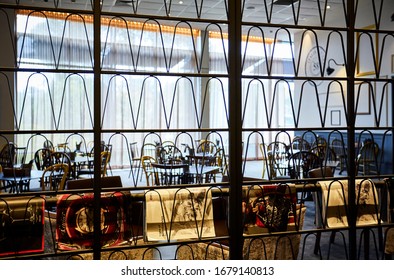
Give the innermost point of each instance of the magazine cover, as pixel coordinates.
(333, 203)
(177, 214)
(21, 225)
(74, 221)
(268, 208)
(335, 198)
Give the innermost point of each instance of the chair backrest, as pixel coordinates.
(54, 177)
(49, 145)
(319, 141)
(135, 153)
(63, 147)
(146, 162)
(300, 144)
(58, 157)
(168, 143)
(7, 155)
(105, 159)
(148, 149)
(168, 154)
(40, 158)
(338, 146)
(207, 146)
(301, 162)
(367, 158)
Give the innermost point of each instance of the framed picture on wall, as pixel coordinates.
(367, 51)
(335, 117)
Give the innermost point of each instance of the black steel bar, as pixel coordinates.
(235, 120)
(97, 129)
(351, 133)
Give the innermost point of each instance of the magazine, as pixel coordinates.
(335, 201)
(268, 208)
(177, 214)
(21, 225)
(74, 221)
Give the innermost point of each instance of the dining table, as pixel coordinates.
(19, 183)
(183, 173)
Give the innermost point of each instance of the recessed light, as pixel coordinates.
(180, 2)
(328, 7)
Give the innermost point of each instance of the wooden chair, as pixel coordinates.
(40, 158)
(301, 162)
(300, 144)
(148, 149)
(263, 149)
(339, 148)
(7, 155)
(54, 177)
(168, 154)
(146, 162)
(59, 157)
(88, 170)
(206, 146)
(278, 154)
(367, 159)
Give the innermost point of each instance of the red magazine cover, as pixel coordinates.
(21, 225)
(74, 221)
(268, 208)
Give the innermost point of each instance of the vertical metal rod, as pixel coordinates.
(351, 132)
(97, 127)
(235, 129)
(392, 123)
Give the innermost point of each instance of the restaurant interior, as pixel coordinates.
(196, 130)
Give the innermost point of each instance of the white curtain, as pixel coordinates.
(257, 94)
(47, 101)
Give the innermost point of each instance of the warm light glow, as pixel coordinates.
(255, 39)
(114, 22)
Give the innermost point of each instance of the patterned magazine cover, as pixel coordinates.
(177, 214)
(268, 208)
(335, 197)
(74, 221)
(21, 225)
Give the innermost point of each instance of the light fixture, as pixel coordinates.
(331, 70)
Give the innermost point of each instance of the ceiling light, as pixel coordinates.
(180, 2)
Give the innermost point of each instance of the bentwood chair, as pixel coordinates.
(7, 155)
(41, 157)
(54, 177)
(88, 170)
(263, 149)
(340, 151)
(146, 162)
(367, 159)
(277, 156)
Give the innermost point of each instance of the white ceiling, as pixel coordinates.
(254, 10)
